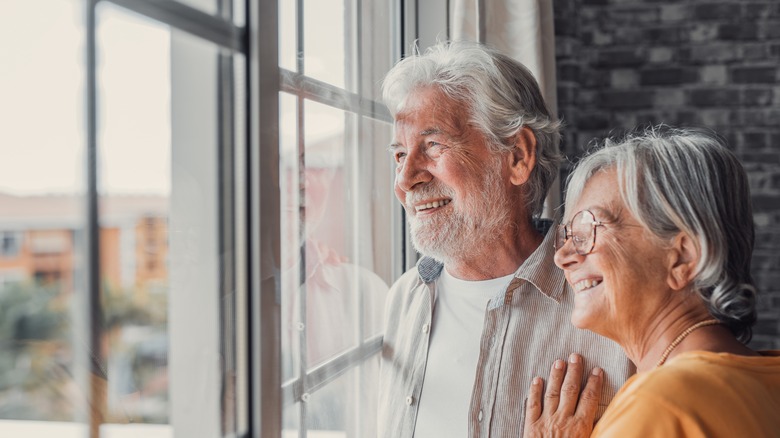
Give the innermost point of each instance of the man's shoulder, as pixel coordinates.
(407, 279)
(406, 284)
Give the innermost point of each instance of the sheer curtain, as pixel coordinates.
(523, 29)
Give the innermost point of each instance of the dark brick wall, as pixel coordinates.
(712, 64)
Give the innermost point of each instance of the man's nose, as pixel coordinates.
(413, 171)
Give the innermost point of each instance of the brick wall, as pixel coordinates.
(713, 64)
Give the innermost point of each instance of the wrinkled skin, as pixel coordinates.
(560, 410)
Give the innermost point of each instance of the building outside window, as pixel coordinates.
(10, 243)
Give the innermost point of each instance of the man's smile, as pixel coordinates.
(431, 205)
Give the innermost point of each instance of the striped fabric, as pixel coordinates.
(526, 328)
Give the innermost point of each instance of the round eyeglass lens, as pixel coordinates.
(582, 231)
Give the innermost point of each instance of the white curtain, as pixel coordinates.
(522, 29)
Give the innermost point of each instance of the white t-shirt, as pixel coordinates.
(453, 352)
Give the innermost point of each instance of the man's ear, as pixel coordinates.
(683, 258)
(523, 156)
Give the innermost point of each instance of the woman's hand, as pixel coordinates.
(563, 412)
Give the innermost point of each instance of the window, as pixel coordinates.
(206, 249)
(336, 211)
(125, 279)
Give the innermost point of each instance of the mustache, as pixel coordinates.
(427, 192)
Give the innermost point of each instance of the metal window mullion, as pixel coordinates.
(217, 30)
(95, 351)
(329, 371)
(303, 344)
(301, 289)
(264, 298)
(356, 21)
(481, 21)
(226, 202)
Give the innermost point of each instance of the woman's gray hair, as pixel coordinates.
(675, 180)
(502, 97)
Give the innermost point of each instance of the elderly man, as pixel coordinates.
(485, 309)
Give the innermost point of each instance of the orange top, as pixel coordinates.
(699, 394)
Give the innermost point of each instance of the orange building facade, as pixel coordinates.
(42, 242)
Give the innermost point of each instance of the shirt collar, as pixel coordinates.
(540, 270)
(429, 269)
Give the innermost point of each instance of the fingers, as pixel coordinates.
(591, 395)
(553, 393)
(533, 404)
(570, 390)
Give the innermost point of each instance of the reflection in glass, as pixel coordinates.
(290, 227)
(374, 189)
(332, 300)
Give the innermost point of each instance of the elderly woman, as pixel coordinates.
(657, 245)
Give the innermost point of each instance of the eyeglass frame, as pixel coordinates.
(567, 234)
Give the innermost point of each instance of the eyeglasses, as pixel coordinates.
(581, 230)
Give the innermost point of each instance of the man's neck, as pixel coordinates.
(497, 257)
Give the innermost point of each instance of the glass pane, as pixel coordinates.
(328, 408)
(345, 407)
(324, 41)
(201, 260)
(134, 150)
(208, 6)
(318, 290)
(288, 41)
(329, 286)
(374, 220)
(166, 224)
(42, 216)
(290, 228)
(377, 43)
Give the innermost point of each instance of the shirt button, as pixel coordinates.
(409, 400)
(426, 328)
(479, 417)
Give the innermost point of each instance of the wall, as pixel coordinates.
(713, 64)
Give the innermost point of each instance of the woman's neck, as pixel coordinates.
(680, 331)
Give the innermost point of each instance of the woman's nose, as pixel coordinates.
(566, 256)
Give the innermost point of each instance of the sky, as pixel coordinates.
(42, 100)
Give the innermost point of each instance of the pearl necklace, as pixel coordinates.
(682, 336)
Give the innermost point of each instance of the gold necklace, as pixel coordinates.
(682, 336)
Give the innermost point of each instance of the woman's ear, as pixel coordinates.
(683, 259)
(523, 156)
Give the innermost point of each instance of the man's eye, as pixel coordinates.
(434, 149)
(399, 156)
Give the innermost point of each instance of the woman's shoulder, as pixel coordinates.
(701, 374)
(709, 394)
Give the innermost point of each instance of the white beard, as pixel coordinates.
(470, 225)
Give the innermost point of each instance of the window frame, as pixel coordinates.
(249, 192)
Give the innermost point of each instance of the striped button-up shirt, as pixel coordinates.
(526, 329)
